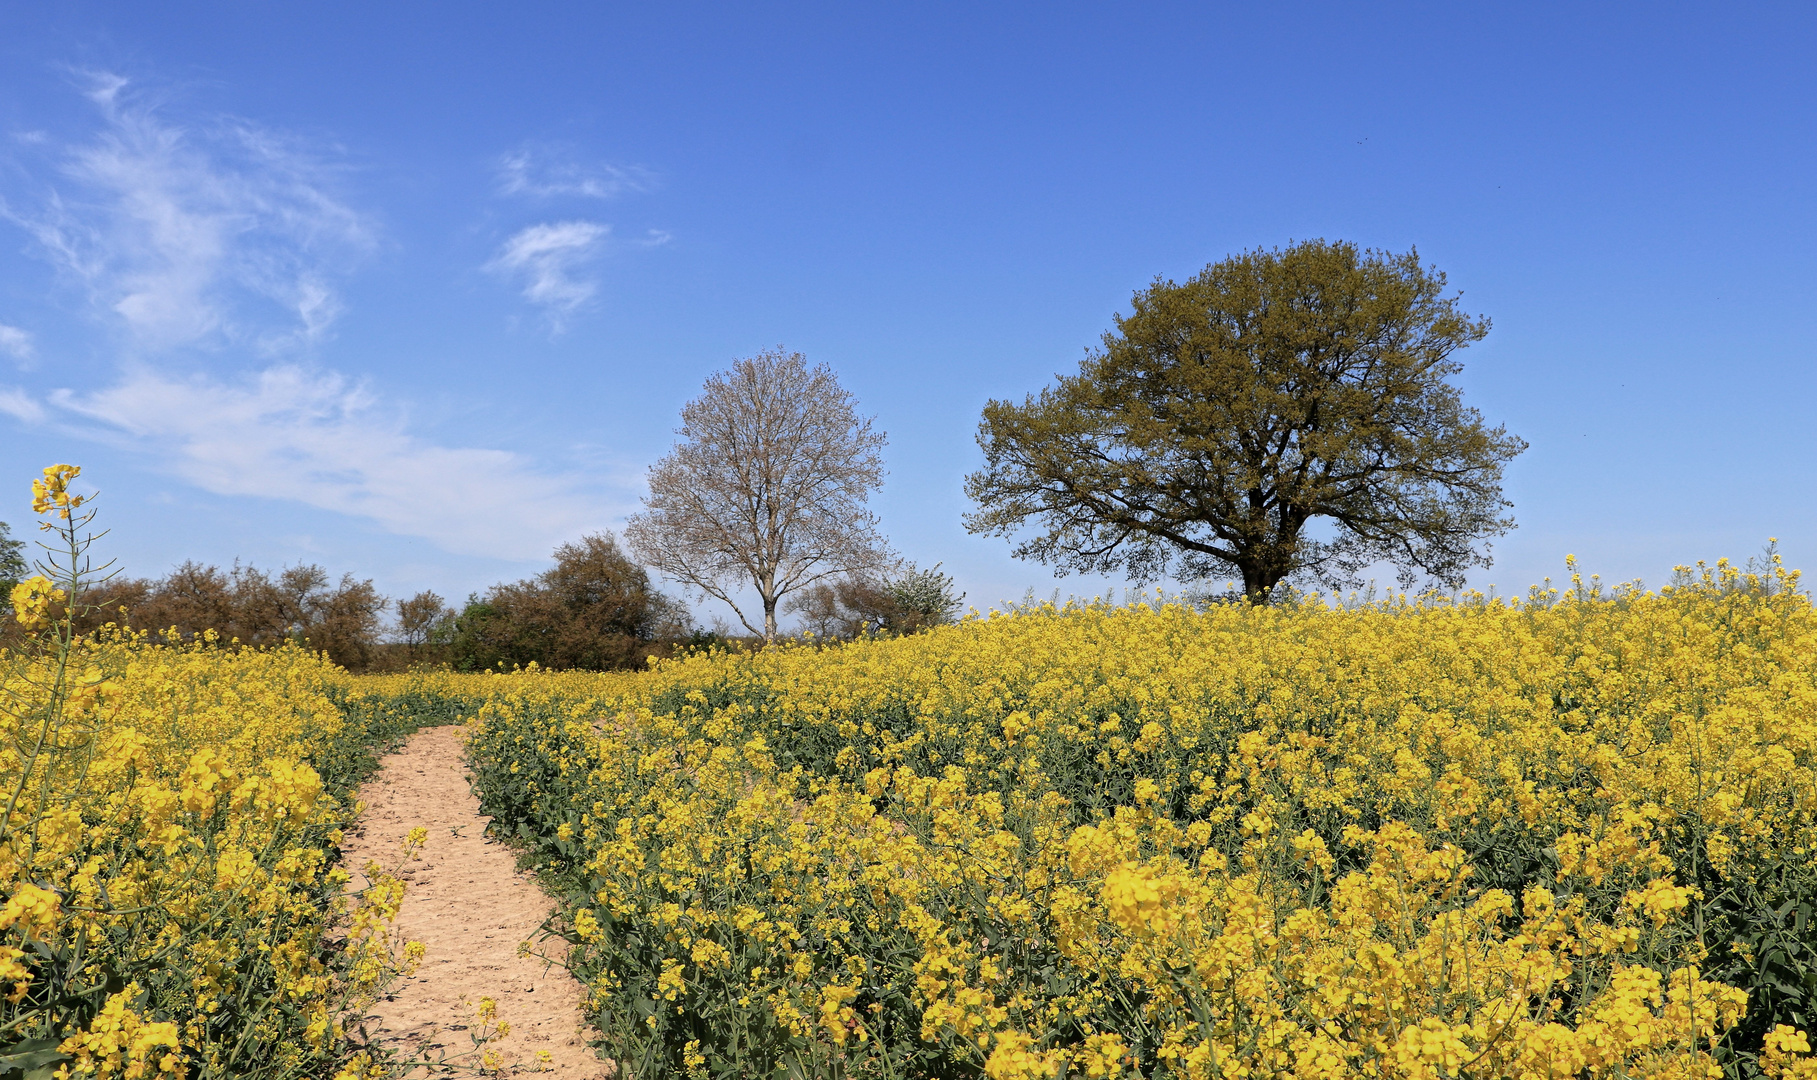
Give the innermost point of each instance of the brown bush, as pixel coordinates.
(247, 605)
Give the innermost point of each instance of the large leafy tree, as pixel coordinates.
(1227, 415)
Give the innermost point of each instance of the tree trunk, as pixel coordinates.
(1259, 583)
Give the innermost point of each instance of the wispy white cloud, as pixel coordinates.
(203, 231)
(20, 405)
(551, 171)
(17, 344)
(322, 440)
(226, 240)
(547, 259)
(103, 86)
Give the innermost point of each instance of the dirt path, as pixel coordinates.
(466, 902)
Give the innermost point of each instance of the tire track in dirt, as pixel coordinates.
(466, 902)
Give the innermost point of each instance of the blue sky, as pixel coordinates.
(417, 290)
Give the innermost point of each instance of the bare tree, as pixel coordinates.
(420, 620)
(766, 487)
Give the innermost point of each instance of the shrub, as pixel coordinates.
(595, 609)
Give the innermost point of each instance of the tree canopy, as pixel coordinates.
(1226, 414)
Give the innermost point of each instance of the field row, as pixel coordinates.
(1549, 839)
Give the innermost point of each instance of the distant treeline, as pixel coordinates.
(595, 609)
(342, 617)
(301, 603)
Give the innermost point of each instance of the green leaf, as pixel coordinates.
(32, 1059)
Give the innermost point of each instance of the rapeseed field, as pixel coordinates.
(1567, 836)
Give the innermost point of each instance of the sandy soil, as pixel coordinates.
(465, 901)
